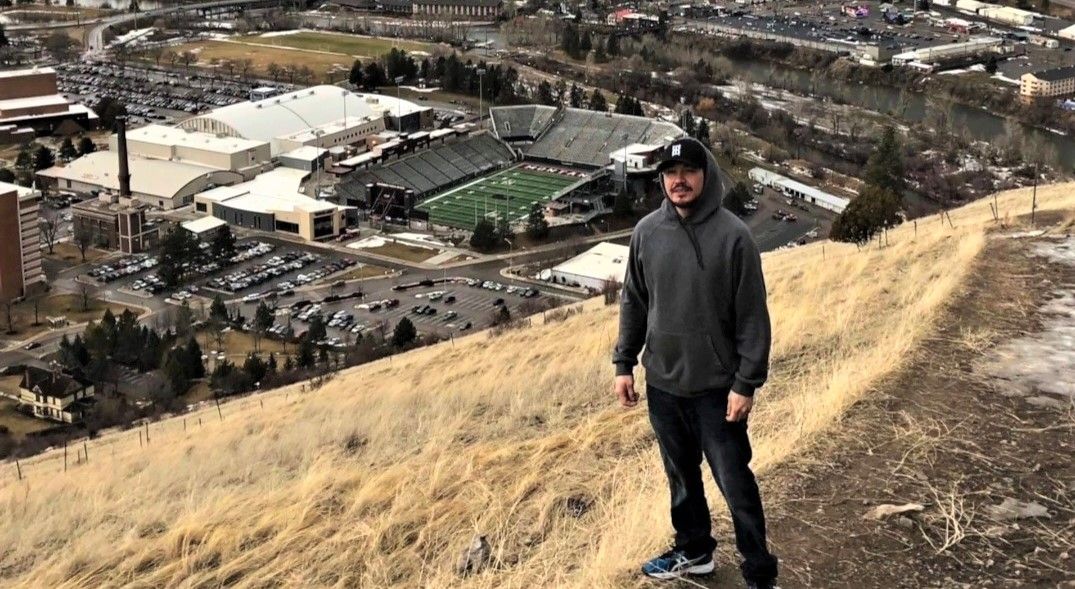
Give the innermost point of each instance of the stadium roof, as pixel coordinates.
(290, 113)
(164, 135)
(160, 178)
(274, 191)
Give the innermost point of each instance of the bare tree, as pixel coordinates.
(83, 238)
(49, 229)
(245, 65)
(84, 291)
(8, 304)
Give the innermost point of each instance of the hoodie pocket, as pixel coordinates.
(690, 360)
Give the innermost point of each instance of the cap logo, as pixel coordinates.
(675, 150)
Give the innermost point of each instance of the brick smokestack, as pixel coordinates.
(124, 170)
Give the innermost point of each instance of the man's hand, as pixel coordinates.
(624, 387)
(738, 406)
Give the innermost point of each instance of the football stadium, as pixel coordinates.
(505, 196)
(565, 159)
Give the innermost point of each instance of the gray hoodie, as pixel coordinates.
(694, 294)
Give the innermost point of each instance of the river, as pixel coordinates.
(978, 123)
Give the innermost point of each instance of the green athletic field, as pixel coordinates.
(508, 194)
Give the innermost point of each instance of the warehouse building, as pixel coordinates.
(20, 259)
(952, 51)
(321, 116)
(1048, 83)
(602, 265)
(160, 183)
(273, 202)
(246, 157)
(31, 103)
(794, 189)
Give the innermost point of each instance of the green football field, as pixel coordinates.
(508, 194)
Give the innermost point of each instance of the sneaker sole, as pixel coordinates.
(698, 569)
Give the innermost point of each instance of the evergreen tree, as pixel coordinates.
(884, 169)
(25, 159)
(735, 200)
(217, 310)
(375, 76)
(484, 236)
(306, 358)
(536, 225)
(67, 149)
(569, 40)
(184, 321)
(317, 331)
(255, 368)
(86, 145)
(223, 244)
(873, 210)
(686, 122)
(193, 359)
(3, 36)
(289, 364)
(585, 44)
(263, 317)
(597, 101)
(612, 46)
(356, 76)
(702, 132)
(7, 175)
(577, 96)
(175, 371)
(270, 366)
(150, 355)
(544, 93)
(404, 334)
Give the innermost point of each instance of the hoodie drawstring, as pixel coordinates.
(694, 243)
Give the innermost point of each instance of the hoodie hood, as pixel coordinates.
(711, 199)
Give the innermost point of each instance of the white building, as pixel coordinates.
(321, 116)
(272, 202)
(245, 156)
(593, 268)
(1067, 33)
(160, 183)
(929, 55)
(795, 189)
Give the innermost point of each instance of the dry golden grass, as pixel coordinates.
(382, 476)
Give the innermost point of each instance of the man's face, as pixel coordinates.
(683, 184)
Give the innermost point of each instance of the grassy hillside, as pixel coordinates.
(380, 478)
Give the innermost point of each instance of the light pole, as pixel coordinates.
(481, 75)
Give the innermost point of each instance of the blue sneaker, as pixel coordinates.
(676, 563)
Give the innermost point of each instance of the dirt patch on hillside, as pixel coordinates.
(971, 443)
(951, 433)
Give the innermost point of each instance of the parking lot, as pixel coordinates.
(451, 305)
(259, 267)
(152, 95)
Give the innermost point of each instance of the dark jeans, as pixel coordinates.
(688, 428)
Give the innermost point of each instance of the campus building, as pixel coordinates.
(795, 189)
(321, 116)
(273, 202)
(1048, 83)
(20, 259)
(55, 396)
(602, 265)
(31, 104)
(246, 157)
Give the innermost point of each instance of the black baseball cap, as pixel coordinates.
(683, 151)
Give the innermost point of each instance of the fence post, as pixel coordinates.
(18, 468)
(140, 439)
(147, 433)
(65, 456)
(86, 451)
(218, 412)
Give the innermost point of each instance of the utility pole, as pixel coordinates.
(481, 76)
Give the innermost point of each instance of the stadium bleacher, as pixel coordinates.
(577, 136)
(434, 169)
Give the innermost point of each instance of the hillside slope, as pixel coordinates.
(382, 476)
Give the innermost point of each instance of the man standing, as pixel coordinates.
(694, 294)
